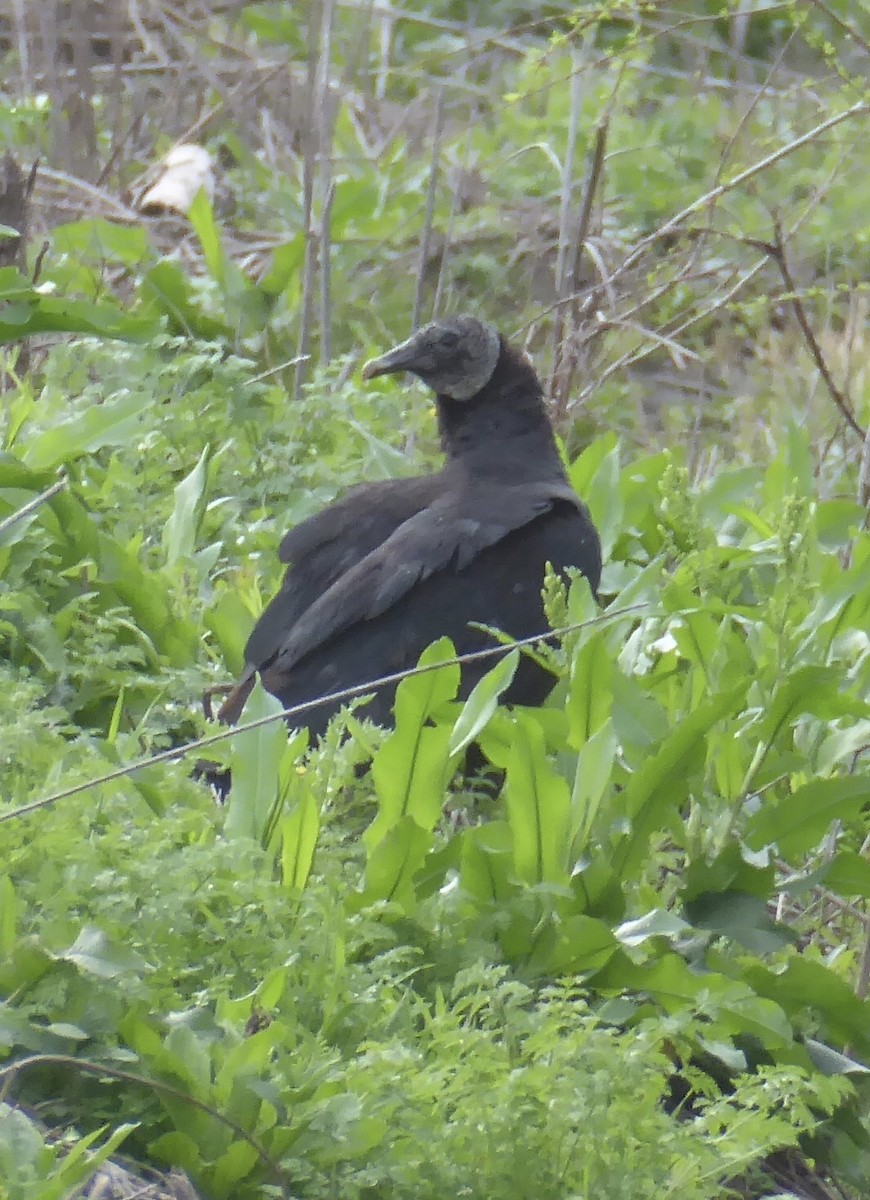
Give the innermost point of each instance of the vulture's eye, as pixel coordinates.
(449, 340)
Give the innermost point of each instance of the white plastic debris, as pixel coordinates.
(184, 170)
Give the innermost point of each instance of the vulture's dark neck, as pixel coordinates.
(504, 430)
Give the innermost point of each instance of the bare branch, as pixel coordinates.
(10, 1072)
(326, 276)
(777, 253)
(309, 175)
(864, 473)
(431, 195)
(861, 108)
(848, 29)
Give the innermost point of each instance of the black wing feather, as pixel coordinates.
(441, 535)
(323, 547)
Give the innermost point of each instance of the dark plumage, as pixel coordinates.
(389, 567)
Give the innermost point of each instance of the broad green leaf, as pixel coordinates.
(699, 637)
(354, 199)
(798, 822)
(231, 621)
(22, 1149)
(93, 953)
(848, 874)
(658, 787)
(832, 1062)
(753, 520)
(234, 1165)
(591, 777)
(393, 862)
(64, 1029)
(598, 891)
(14, 474)
(810, 689)
(743, 918)
(537, 805)
(420, 696)
(299, 832)
(657, 923)
(8, 916)
(486, 865)
(497, 738)
(410, 772)
(411, 768)
(167, 290)
(14, 285)
(177, 1150)
(732, 1006)
(581, 943)
(729, 755)
(25, 1158)
(255, 762)
(482, 702)
(243, 1063)
(182, 528)
(805, 985)
(837, 522)
(639, 479)
(590, 692)
(791, 472)
(586, 465)
(731, 870)
(17, 1032)
(638, 719)
(270, 990)
(286, 262)
(47, 314)
(604, 499)
(102, 240)
(244, 305)
(187, 1051)
(115, 423)
(201, 216)
(440, 866)
(362, 1137)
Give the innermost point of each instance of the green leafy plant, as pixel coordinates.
(638, 969)
(33, 1170)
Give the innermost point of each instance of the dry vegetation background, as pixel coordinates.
(445, 156)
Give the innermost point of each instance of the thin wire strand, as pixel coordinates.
(32, 505)
(350, 693)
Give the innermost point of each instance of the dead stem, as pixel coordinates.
(431, 195)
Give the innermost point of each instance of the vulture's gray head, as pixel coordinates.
(455, 356)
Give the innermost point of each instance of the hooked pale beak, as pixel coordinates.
(404, 357)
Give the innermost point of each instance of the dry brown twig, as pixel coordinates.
(842, 25)
(309, 174)
(564, 352)
(776, 250)
(431, 195)
(673, 224)
(720, 300)
(864, 473)
(9, 1073)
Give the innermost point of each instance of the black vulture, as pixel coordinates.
(390, 567)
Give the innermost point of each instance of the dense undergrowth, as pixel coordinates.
(642, 969)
